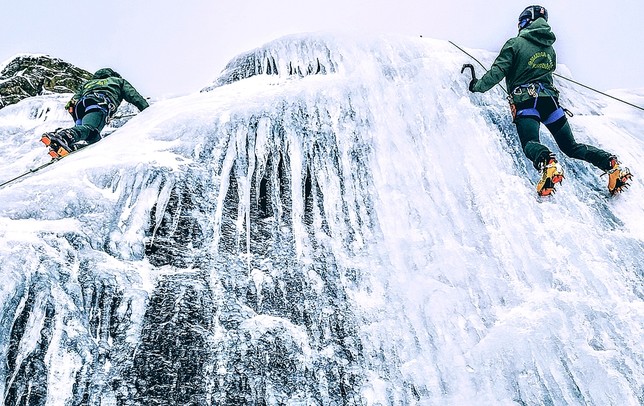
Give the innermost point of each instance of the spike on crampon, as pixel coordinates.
(552, 174)
(620, 182)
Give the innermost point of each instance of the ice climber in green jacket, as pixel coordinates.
(92, 106)
(527, 62)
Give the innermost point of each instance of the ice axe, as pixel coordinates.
(474, 79)
(469, 65)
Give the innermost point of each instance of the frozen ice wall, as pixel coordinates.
(333, 221)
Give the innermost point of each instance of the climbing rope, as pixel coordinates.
(557, 75)
(34, 170)
(476, 60)
(598, 91)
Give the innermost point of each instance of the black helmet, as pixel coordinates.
(530, 14)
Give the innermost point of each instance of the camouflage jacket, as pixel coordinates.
(110, 84)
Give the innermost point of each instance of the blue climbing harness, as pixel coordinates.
(533, 90)
(94, 102)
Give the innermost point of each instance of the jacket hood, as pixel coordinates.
(539, 32)
(105, 73)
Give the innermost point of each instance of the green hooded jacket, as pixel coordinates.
(109, 83)
(524, 59)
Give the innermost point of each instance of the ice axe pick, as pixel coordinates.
(469, 65)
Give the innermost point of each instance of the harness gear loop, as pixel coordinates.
(533, 90)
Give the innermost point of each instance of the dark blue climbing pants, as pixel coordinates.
(89, 129)
(528, 129)
(90, 114)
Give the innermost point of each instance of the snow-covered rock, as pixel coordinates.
(30, 75)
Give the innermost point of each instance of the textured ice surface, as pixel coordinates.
(333, 221)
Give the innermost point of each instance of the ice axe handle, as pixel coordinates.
(469, 65)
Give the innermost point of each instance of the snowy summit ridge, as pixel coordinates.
(333, 221)
(289, 56)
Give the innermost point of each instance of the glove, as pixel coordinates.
(71, 104)
(472, 84)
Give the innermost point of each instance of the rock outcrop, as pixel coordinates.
(33, 75)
